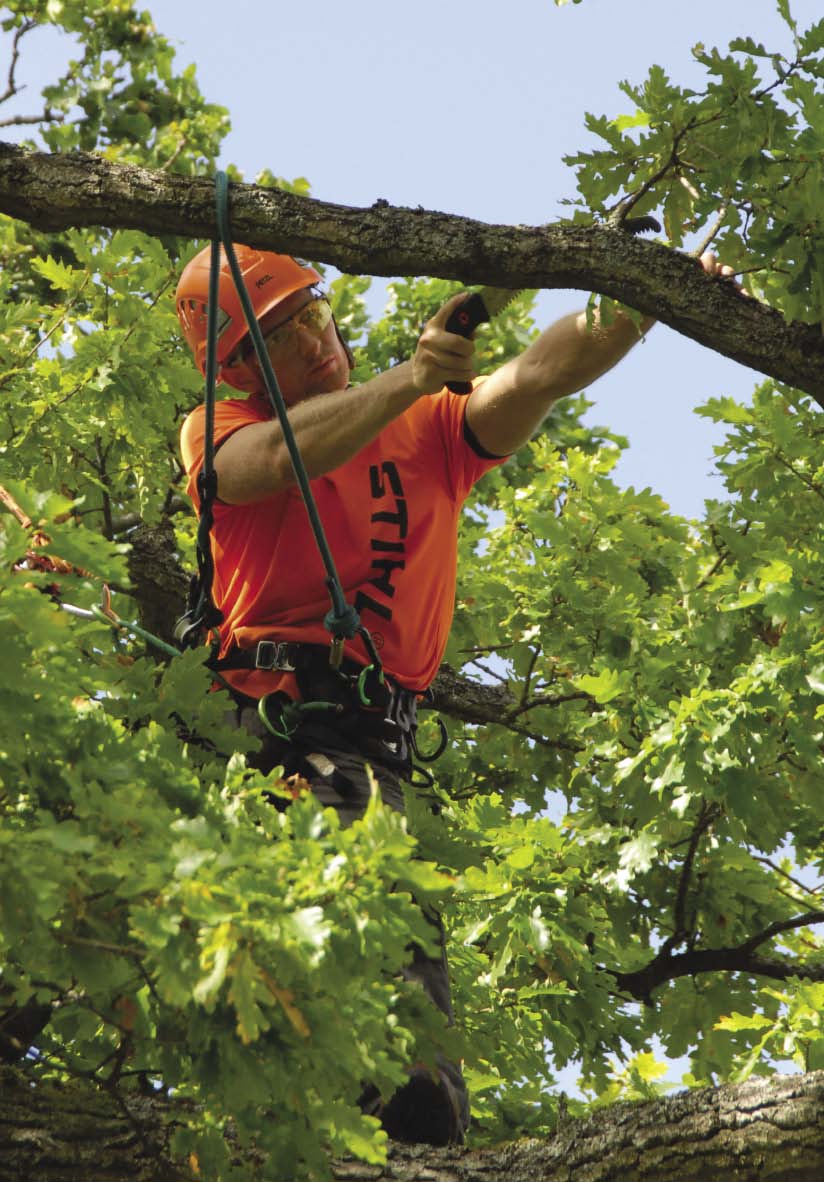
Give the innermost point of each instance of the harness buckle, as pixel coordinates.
(273, 655)
(336, 652)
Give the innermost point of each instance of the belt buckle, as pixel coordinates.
(273, 655)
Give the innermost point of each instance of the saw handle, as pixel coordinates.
(464, 320)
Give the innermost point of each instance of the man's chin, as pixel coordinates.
(327, 381)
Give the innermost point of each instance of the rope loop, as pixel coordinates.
(345, 624)
(342, 620)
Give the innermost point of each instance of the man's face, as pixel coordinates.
(306, 360)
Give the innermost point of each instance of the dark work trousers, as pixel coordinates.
(335, 767)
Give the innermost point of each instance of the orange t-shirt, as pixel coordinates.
(390, 515)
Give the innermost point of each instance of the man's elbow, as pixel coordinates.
(546, 379)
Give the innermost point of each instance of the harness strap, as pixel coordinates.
(357, 685)
(277, 656)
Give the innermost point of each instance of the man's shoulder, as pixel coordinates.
(230, 414)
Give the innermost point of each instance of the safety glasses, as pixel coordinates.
(314, 317)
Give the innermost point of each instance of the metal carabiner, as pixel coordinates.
(439, 750)
(364, 673)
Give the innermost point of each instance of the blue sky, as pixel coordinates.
(468, 108)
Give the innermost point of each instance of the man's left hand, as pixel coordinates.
(713, 266)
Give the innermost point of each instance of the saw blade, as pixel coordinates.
(497, 298)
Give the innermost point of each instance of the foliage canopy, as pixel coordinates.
(663, 681)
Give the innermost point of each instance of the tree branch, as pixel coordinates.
(740, 959)
(54, 192)
(762, 1129)
(783, 925)
(11, 83)
(709, 813)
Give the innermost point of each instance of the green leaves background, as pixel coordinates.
(662, 740)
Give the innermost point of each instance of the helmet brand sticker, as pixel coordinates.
(263, 279)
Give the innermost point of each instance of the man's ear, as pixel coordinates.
(242, 375)
(350, 356)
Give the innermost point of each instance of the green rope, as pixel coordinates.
(112, 620)
(342, 620)
(123, 626)
(202, 614)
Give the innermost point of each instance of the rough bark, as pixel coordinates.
(470, 701)
(53, 192)
(159, 583)
(767, 1130)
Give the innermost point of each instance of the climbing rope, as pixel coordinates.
(104, 613)
(342, 620)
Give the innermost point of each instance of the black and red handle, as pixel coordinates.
(464, 320)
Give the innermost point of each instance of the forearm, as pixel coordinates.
(571, 354)
(329, 430)
(568, 356)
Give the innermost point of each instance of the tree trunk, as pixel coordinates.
(767, 1130)
(53, 192)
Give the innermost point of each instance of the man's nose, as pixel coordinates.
(308, 342)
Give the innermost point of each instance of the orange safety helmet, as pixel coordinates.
(269, 278)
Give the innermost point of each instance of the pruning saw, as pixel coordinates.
(476, 309)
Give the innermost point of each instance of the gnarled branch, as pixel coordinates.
(54, 192)
(766, 1129)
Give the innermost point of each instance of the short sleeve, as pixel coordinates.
(230, 416)
(466, 461)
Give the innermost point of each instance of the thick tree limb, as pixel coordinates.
(767, 1130)
(642, 982)
(54, 192)
(470, 701)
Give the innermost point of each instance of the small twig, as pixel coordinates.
(488, 648)
(81, 385)
(714, 569)
(618, 214)
(181, 144)
(699, 250)
(100, 467)
(800, 885)
(99, 946)
(10, 503)
(542, 741)
(23, 120)
(489, 672)
(807, 481)
(536, 652)
(11, 86)
(553, 700)
(172, 505)
(42, 340)
(709, 813)
(782, 925)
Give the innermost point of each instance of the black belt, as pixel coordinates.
(383, 708)
(277, 656)
(362, 685)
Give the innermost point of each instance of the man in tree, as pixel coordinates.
(391, 463)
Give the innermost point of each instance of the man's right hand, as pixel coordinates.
(442, 356)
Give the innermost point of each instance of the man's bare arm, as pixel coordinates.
(510, 405)
(505, 411)
(331, 428)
